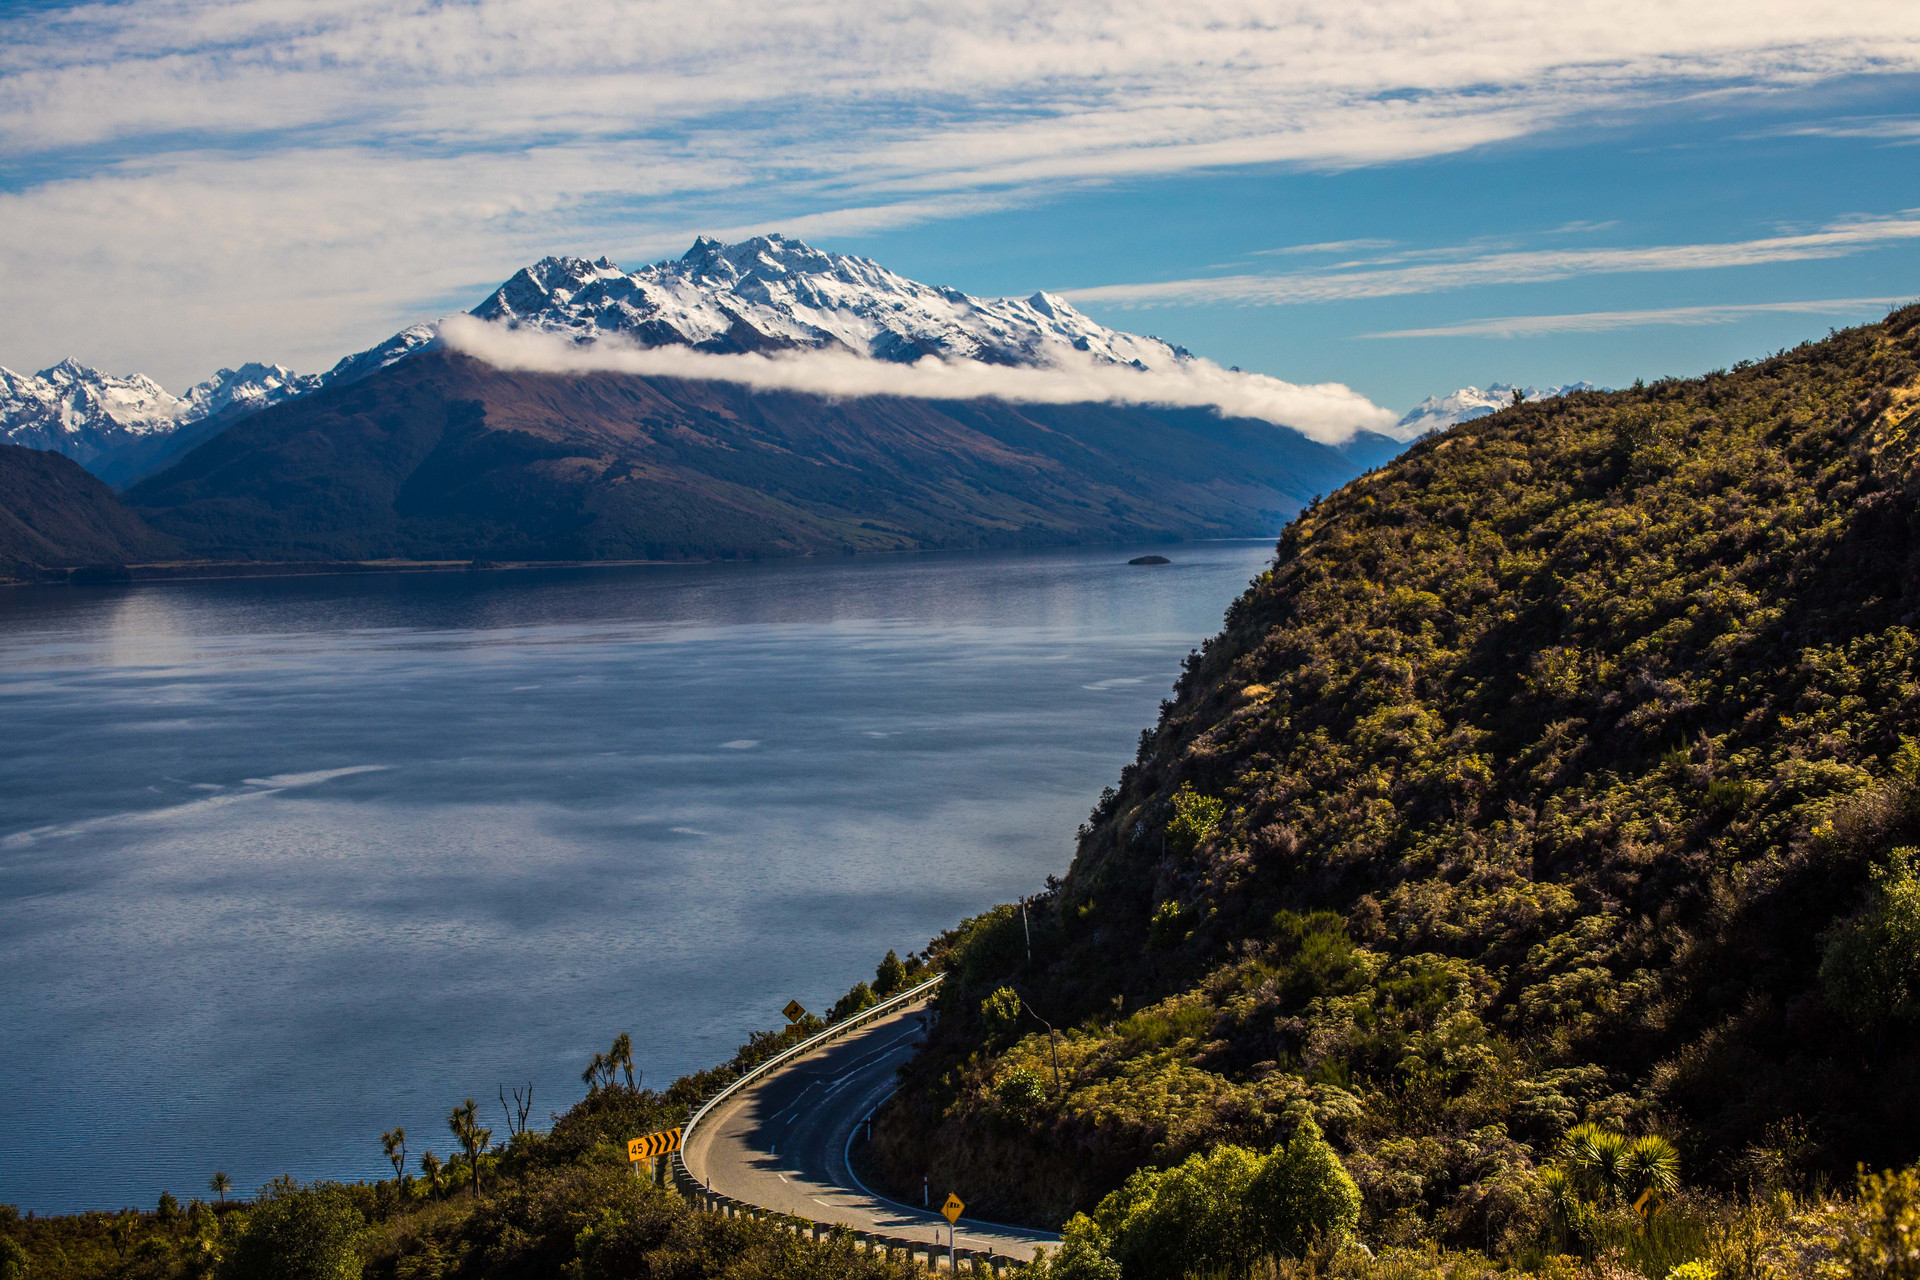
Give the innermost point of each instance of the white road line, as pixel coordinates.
(791, 1105)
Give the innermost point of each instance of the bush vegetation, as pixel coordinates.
(1539, 825)
(1521, 883)
(560, 1204)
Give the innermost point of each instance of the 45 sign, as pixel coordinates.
(654, 1144)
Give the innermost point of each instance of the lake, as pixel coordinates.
(286, 863)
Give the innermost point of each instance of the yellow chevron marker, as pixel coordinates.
(654, 1144)
(953, 1208)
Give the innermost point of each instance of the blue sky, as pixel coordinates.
(1405, 197)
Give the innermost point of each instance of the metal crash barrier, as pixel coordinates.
(933, 1256)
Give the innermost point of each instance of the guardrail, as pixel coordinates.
(690, 1187)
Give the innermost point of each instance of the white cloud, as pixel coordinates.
(265, 177)
(1530, 266)
(1328, 412)
(1326, 246)
(1602, 321)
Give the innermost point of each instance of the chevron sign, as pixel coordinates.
(654, 1144)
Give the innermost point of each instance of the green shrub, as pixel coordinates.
(1228, 1208)
(1883, 1243)
(1304, 1192)
(1083, 1254)
(1021, 1090)
(1871, 967)
(14, 1264)
(298, 1233)
(860, 998)
(1195, 818)
(1000, 1013)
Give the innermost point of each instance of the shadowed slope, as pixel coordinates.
(53, 513)
(440, 456)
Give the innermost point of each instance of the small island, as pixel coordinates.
(1149, 560)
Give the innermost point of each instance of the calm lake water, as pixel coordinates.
(284, 864)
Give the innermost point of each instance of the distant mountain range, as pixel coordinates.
(122, 428)
(409, 449)
(1437, 413)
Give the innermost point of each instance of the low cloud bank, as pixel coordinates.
(1328, 412)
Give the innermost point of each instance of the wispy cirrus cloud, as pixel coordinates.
(1603, 321)
(1898, 130)
(248, 174)
(1325, 246)
(1390, 277)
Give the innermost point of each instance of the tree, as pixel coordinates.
(14, 1263)
(622, 1056)
(890, 976)
(220, 1184)
(464, 1121)
(297, 1233)
(604, 1069)
(394, 1143)
(430, 1170)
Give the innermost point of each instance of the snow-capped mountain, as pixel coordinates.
(95, 418)
(773, 293)
(122, 427)
(1437, 413)
(768, 293)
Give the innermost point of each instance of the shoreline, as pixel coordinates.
(219, 570)
(212, 570)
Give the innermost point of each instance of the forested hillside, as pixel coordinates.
(1556, 783)
(443, 457)
(53, 513)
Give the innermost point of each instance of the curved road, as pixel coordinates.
(783, 1142)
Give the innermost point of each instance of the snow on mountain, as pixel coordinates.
(93, 417)
(1437, 413)
(771, 293)
(351, 368)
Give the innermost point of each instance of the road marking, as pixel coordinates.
(791, 1105)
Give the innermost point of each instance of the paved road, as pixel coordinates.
(783, 1142)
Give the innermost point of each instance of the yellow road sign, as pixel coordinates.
(654, 1144)
(794, 1011)
(953, 1208)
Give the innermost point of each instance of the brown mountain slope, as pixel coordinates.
(441, 456)
(53, 513)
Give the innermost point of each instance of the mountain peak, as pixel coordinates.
(1437, 413)
(774, 292)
